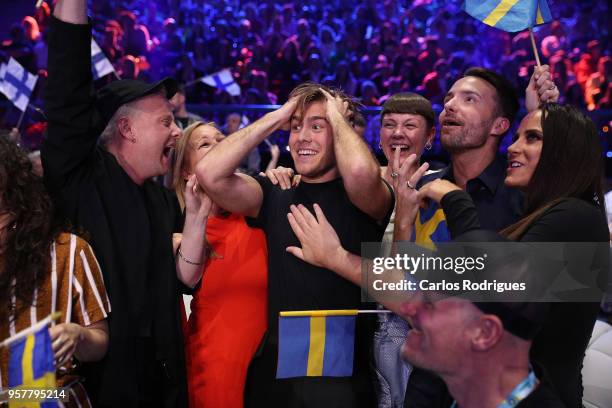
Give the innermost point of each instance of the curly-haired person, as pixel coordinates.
(44, 270)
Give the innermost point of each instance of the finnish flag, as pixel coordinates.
(224, 81)
(100, 65)
(2, 72)
(244, 121)
(18, 84)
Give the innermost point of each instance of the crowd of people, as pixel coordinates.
(100, 238)
(371, 50)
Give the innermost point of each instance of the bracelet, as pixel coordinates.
(180, 254)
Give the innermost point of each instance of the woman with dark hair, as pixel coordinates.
(45, 270)
(556, 160)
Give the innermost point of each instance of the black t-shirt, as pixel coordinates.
(297, 285)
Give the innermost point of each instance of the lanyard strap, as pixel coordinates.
(519, 393)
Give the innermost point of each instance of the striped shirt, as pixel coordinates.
(74, 287)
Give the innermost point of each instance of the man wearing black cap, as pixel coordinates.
(106, 188)
(480, 350)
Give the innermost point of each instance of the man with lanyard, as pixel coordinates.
(488, 364)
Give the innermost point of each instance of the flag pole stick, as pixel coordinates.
(342, 312)
(373, 311)
(21, 118)
(39, 3)
(195, 81)
(533, 45)
(32, 329)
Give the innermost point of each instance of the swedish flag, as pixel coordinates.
(509, 15)
(316, 343)
(430, 226)
(31, 365)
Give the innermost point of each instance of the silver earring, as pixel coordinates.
(428, 146)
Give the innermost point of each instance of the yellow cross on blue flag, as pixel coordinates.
(509, 15)
(31, 365)
(316, 343)
(430, 226)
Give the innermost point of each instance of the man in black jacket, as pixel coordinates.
(108, 190)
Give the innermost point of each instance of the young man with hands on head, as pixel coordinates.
(339, 173)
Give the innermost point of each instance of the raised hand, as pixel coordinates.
(197, 201)
(406, 195)
(336, 107)
(285, 113)
(541, 89)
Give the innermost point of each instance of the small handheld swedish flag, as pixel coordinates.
(31, 364)
(316, 343)
(509, 15)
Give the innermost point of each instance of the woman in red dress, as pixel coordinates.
(228, 310)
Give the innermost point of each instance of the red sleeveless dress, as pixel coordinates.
(228, 314)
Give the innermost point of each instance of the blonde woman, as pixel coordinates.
(228, 310)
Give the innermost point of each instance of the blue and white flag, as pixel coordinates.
(224, 81)
(244, 121)
(509, 15)
(100, 65)
(2, 72)
(18, 84)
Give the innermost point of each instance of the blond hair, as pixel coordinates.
(310, 92)
(178, 181)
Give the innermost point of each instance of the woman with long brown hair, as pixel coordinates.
(45, 270)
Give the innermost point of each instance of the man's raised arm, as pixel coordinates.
(69, 97)
(216, 171)
(359, 169)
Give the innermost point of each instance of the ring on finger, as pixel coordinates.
(394, 174)
(552, 88)
(410, 186)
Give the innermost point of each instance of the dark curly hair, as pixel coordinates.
(32, 228)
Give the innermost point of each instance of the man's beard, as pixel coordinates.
(470, 137)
